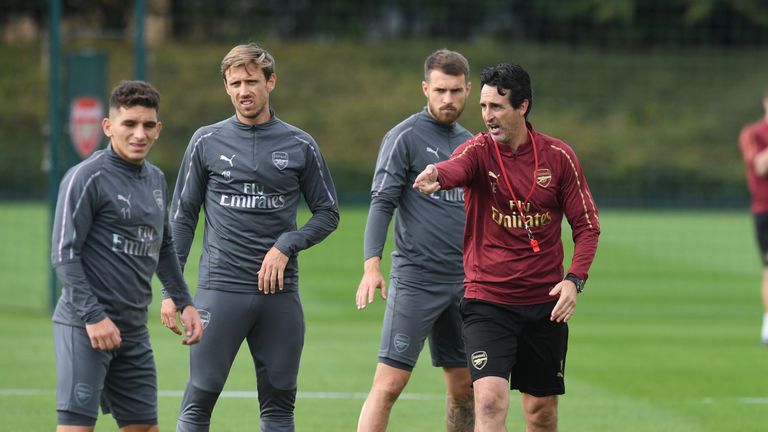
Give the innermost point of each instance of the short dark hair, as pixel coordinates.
(448, 62)
(128, 94)
(512, 80)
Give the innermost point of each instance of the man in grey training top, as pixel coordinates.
(249, 172)
(110, 235)
(427, 271)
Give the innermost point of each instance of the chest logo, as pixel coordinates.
(124, 199)
(494, 180)
(158, 194)
(280, 159)
(125, 211)
(433, 151)
(229, 160)
(543, 177)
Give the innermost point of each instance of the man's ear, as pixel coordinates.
(272, 82)
(524, 107)
(106, 126)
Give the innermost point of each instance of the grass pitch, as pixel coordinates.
(665, 338)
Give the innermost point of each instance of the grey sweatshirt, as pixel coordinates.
(110, 235)
(428, 229)
(249, 179)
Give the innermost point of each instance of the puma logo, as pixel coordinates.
(230, 159)
(494, 180)
(127, 200)
(431, 150)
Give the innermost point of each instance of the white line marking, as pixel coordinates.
(754, 400)
(241, 394)
(237, 394)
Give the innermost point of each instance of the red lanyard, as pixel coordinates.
(534, 242)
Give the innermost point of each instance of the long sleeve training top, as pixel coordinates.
(249, 179)
(499, 261)
(110, 235)
(428, 229)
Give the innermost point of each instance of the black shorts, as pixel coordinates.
(517, 343)
(761, 229)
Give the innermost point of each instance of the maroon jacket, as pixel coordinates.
(499, 263)
(753, 139)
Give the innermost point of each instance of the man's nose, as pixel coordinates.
(140, 132)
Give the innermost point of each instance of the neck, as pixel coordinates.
(520, 138)
(264, 116)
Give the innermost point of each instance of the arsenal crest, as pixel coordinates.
(543, 177)
(83, 393)
(85, 115)
(479, 359)
(402, 342)
(280, 159)
(158, 194)
(205, 317)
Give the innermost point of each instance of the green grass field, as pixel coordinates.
(665, 337)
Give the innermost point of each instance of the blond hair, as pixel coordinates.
(243, 55)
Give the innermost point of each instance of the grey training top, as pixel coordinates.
(110, 235)
(249, 180)
(429, 230)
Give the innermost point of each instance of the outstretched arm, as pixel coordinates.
(426, 182)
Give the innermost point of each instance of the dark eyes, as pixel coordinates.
(149, 125)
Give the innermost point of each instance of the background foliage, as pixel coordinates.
(651, 94)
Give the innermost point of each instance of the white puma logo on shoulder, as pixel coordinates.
(431, 150)
(228, 159)
(127, 200)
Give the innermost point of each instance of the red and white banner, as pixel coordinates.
(85, 115)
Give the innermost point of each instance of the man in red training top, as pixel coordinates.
(753, 141)
(518, 184)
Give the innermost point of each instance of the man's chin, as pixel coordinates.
(448, 118)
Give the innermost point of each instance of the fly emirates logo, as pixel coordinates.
(253, 196)
(515, 220)
(451, 195)
(146, 242)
